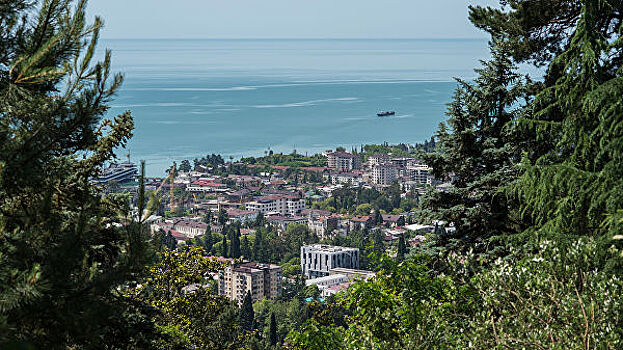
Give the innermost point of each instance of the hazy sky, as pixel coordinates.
(286, 18)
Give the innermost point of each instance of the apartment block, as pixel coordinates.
(384, 174)
(343, 161)
(278, 204)
(261, 280)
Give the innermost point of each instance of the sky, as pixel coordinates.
(297, 19)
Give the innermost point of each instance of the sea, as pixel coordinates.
(241, 98)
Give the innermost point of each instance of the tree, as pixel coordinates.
(272, 331)
(185, 166)
(189, 313)
(245, 249)
(222, 217)
(168, 240)
(62, 250)
(402, 249)
(570, 189)
(378, 217)
(479, 146)
(224, 250)
(208, 240)
(258, 246)
(246, 319)
(259, 220)
(235, 243)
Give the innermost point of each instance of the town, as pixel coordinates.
(281, 218)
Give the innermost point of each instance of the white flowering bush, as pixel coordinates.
(558, 298)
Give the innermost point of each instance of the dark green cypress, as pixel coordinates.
(402, 248)
(224, 251)
(235, 243)
(246, 318)
(272, 330)
(245, 249)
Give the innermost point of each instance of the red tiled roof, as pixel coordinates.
(361, 218)
(207, 183)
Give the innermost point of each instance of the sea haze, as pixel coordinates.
(237, 98)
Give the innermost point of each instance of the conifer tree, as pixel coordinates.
(574, 187)
(478, 149)
(245, 249)
(272, 330)
(246, 318)
(62, 252)
(402, 249)
(208, 240)
(235, 243)
(258, 246)
(224, 250)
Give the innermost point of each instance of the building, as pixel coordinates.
(376, 159)
(403, 161)
(206, 186)
(339, 279)
(186, 227)
(262, 281)
(343, 161)
(346, 178)
(278, 203)
(384, 174)
(284, 221)
(419, 174)
(352, 273)
(237, 215)
(322, 225)
(360, 222)
(318, 259)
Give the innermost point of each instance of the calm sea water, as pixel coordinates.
(242, 97)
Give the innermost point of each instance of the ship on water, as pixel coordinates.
(385, 113)
(118, 172)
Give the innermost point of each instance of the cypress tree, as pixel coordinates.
(246, 318)
(235, 243)
(402, 249)
(272, 330)
(245, 249)
(258, 246)
(224, 250)
(208, 240)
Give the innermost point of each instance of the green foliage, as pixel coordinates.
(478, 149)
(272, 332)
(572, 188)
(62, 250)
(189, 313)
(555, 298)
(246, 320)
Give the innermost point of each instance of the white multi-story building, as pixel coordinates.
(419, 174)
(384, 174)
(349, 178)
(280, 204)
(318, 259)
(378, 159)
(343, 161)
